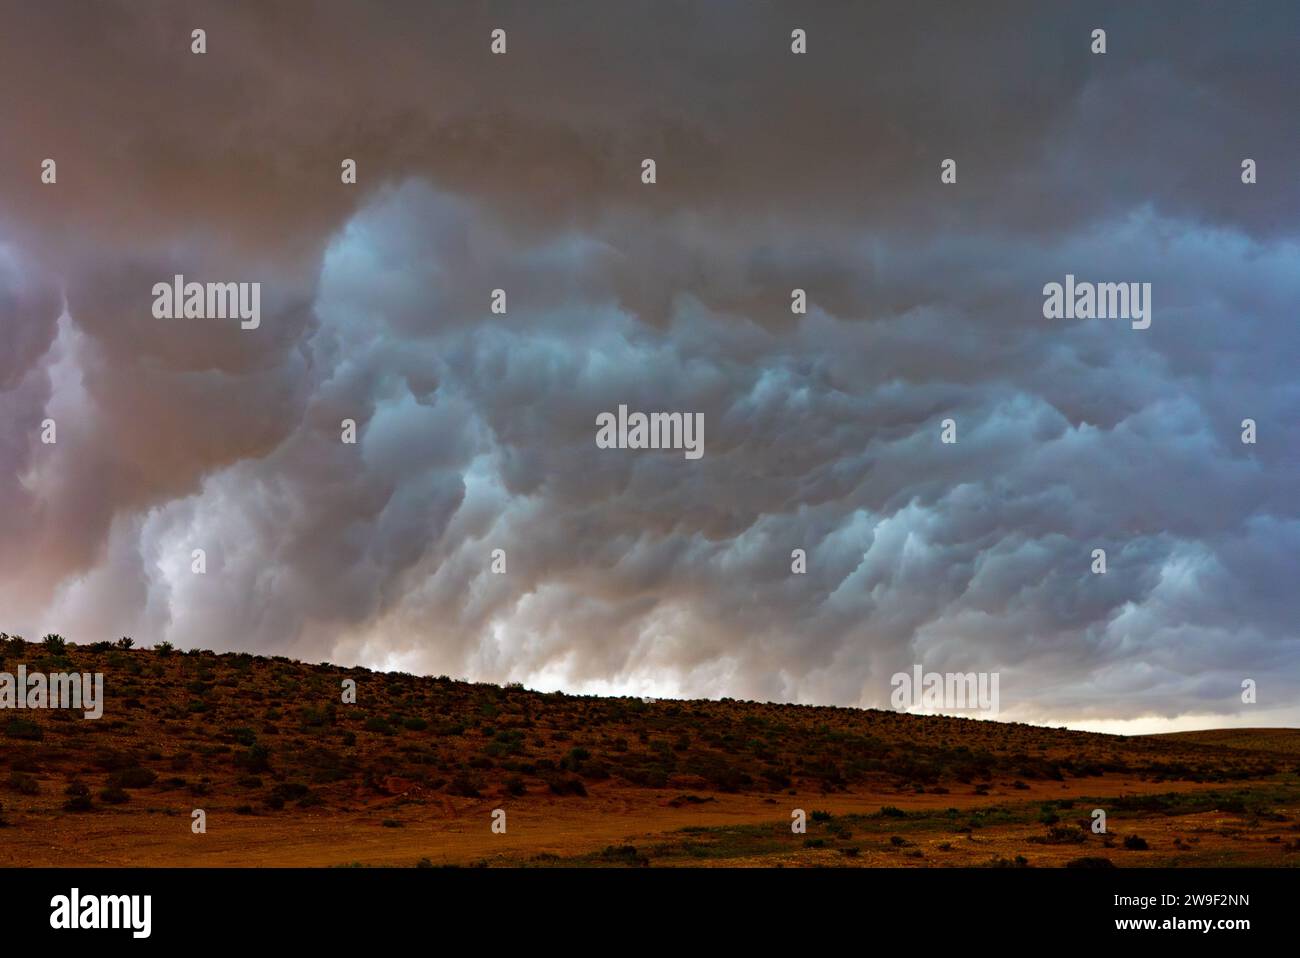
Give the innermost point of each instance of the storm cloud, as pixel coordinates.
(640, 571)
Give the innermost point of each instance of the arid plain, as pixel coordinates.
(411, 774)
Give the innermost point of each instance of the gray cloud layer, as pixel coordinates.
(644, 571)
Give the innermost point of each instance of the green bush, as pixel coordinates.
(1061, 835)
(377, 724)
(624, 855)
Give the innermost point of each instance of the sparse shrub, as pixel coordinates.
(776, 777)
(24, 784)
(257, 758)
(681, 800)
(55, 644)
(290, 791)
(164, 648)
(113, 795)
(78, 794)
(624, 855)
(567, 786)
(136, 777)
(464, 786)
(315, 718)
(378, 724)
(1135, 843)
(23, 729)
(125, 642)
(1061, 835)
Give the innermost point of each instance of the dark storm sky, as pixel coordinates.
(645, 572)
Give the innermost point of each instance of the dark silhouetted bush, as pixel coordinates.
(23, 729)
(24, 784)
(136, 777)
(114, 796)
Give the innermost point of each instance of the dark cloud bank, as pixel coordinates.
(643, 571)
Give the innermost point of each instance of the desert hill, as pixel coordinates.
(270, 752)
